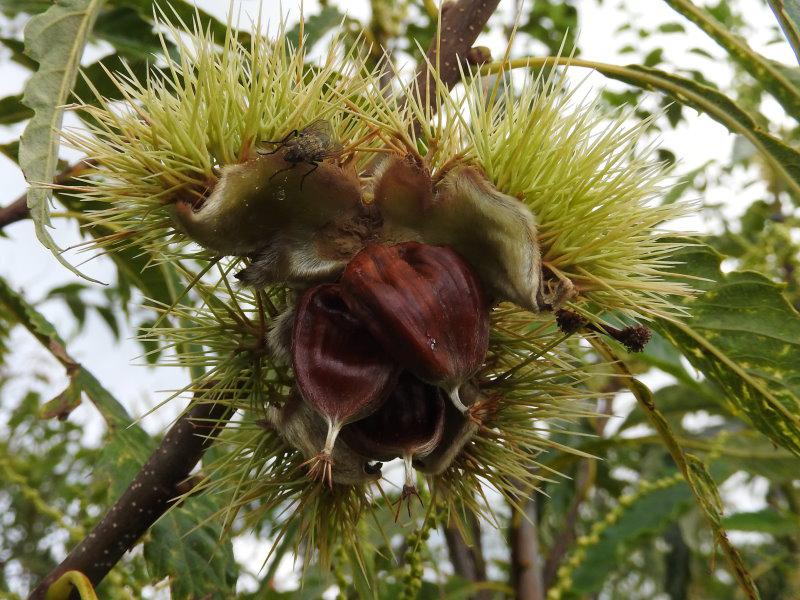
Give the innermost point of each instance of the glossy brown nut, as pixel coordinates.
(424, 305)
(341, 370)
(410, 422)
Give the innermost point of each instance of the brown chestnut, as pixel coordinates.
(340, 369)
(426, 308)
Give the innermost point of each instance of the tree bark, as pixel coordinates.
(147, 498)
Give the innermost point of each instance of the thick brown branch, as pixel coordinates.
(149, 495)
(18, 209)
(461, 23)
(467, 555)
(526, 570)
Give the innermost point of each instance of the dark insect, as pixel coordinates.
(311, 145)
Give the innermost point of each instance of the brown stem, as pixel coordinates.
(461, 22)
(149, 495)
(467, 555)
(526, 570)
(18, 209)
(563, 541)
(633, 337)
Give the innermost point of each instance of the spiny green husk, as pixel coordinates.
(593, 187)
(207, 108)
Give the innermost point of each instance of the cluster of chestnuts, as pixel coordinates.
(379, 353)
(393, 295)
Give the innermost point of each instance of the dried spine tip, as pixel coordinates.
(304, 429)
(424, 305)
(633, 337)
(570, 322)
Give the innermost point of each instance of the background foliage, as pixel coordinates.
(626, 525)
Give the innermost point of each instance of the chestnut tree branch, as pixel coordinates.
(467, 555)
(461, 22)
(146, 499)
(526, 570)
(18, 209)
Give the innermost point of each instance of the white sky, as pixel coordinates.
(30, 268)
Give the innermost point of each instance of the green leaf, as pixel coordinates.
(745, 337)
(646, 517)
(187, 13)
(23, 313)
(12, 110)
(761, 69)
(17, 49)
(10, 150)
(316, 26)
(693, 470)
(131, 35)
(683, 184)
(197, 563)
(764, 521)
(700, 96)
(788, 14)
(32, 7)
(55, 39)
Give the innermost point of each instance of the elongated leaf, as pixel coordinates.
(199, 564)
(55, 39)
(645, 518)
(186, 12)
(10, 150)
(782, 157)
(32, 7)
(788, 14)
(693, 470)
(764, 521)
(12, 110)
(316, 26)
(17, 49)
(745, 337)
(131, 35)
(761, 69)
(23, 313)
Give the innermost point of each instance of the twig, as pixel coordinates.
(587, 470)
(461, 23)
(526, 568)
(467, 555)
(18, 209)
(146, 499)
